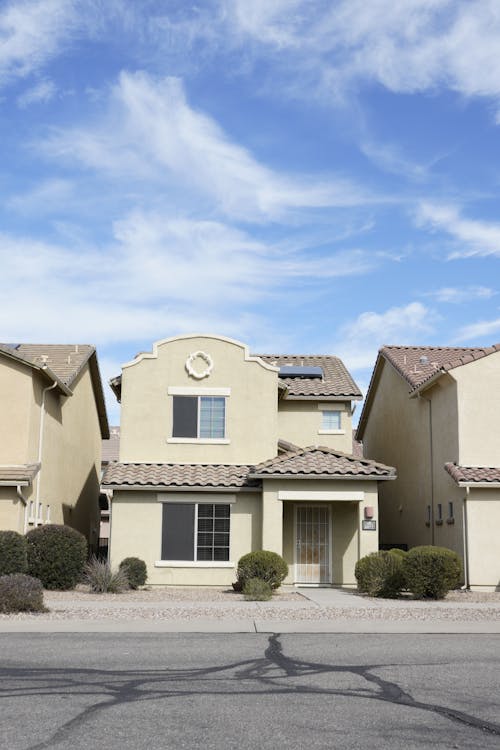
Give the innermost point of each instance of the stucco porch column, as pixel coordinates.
(272, 522)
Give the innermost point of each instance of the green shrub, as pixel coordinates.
(13, 553)
(135, 570)
(401, 553)
(380, 574)
(268, 566)
(102, 580)
(257, 590)
(56, 555)
(430, 572)
(21, 593)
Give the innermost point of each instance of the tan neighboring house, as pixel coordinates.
(53, 420)
(434, 414)
(223, 452)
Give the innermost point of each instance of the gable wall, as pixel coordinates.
(147, 412)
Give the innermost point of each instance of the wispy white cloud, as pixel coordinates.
(32, 33)
(153, 133)
(461, 294)
(477, 332)
(42, 92)
(45, 197)
(472, 237)
(359, 340)
(406, 47)
(158, 274)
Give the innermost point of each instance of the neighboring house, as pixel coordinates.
(110, 452)
(434, 414)
(53, 420)
(219, 456)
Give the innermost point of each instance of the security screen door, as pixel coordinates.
(312, 547)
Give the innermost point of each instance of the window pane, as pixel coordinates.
(177, 531)
(330, 420)
(212, 417)
(213, 545)
(185, 416)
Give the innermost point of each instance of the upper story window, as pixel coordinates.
(331, 420)
(202, 417)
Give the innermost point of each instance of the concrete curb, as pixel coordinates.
(205, 625)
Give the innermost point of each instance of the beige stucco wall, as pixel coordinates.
(299, 422)
(136, 530)
(483, 522)
(349, 541)
(12, 509)
(479, 411)
(16, 409)
(71, 454)
(251, 411)
(397, 434)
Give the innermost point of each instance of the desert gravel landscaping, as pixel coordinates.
(172, 603)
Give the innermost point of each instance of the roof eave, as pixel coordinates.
(320, 397)
(364, 477)
(480, 485)
(178, 488)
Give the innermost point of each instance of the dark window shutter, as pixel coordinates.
(185, 416)
(177, 541)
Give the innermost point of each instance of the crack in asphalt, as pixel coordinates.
(274, 673)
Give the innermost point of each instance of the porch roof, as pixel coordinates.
(474, 476)
(319, 461)
(158, 475)
(14, 475)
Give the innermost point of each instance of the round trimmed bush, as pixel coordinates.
(263, 564)
(56, 555)
(21, 593)
(380, 574)
(257, 590)
(135, 570)
(13, 553)
(430, 572)
(401, 553)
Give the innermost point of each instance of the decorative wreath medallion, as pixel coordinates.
(204, 373)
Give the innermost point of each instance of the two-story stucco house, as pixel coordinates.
(219, 456)
(53, 421)
(434, 414)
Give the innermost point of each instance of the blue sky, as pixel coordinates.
(304, 176)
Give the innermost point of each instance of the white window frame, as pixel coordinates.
(337, 431)
(200, 393)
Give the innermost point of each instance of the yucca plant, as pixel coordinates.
(102, 579)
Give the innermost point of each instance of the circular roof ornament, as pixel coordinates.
(199, 374)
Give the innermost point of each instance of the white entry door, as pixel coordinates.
(312, 544)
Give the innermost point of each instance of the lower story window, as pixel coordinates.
(195, 532)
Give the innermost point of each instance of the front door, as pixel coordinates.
(312, 544)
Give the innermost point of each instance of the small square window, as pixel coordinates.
(330, 420)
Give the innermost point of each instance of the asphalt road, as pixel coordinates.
(163, 691)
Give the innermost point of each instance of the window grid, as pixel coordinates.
(330, 420)
(211, 416)
(212, 538)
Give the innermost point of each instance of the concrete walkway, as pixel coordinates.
(316, 610)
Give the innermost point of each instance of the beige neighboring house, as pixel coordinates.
(434, 414)
(53, 420)
(223, 452)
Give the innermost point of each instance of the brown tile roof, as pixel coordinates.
(62, 363)
(322, 461)
(22, 474)
(111, 447)
(335, 383)
(407, 360)
(357, 446)
(474, 474)
(177, 475)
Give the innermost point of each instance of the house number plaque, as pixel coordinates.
(369, 525)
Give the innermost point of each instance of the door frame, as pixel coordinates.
(306, 504)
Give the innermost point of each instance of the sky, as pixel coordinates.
(305, 176)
